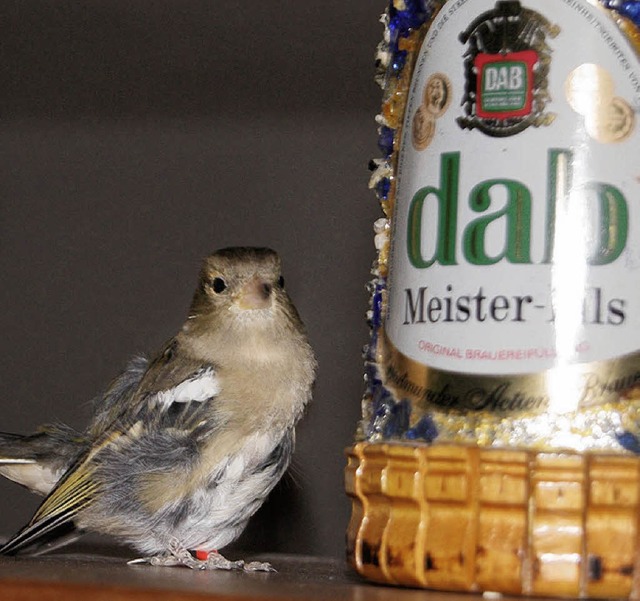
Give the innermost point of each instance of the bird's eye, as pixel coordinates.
(218, 285)
(281, 282)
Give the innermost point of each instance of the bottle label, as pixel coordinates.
(514, 280)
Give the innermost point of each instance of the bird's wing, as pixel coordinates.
(169, 394)
(174, 389)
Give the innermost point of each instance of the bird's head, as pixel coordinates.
(241, 285)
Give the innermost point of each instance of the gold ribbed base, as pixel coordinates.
(460, 518)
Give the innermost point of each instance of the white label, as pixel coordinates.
(515, 243)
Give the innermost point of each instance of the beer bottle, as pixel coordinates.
(500, 437)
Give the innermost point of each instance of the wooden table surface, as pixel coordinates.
(99, 575)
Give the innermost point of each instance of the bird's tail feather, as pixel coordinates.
(13, 449)
(37, 461)
(58, 529)
(54, 519)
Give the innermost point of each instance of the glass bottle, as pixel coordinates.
(498, 449)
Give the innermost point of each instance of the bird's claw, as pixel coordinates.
(179, 556)
(156, 560)
(259, 566)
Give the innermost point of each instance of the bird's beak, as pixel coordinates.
(255, 294)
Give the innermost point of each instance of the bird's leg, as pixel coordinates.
(204, 560)
(176, 555)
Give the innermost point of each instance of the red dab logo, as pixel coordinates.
(505, 84)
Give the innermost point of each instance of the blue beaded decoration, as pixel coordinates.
(629, 9)
(385, 141)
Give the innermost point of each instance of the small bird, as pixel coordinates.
(184, 447)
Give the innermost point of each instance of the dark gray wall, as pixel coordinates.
(135, 138)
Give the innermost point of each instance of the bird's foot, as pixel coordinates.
(258, 566)
(179, 556)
